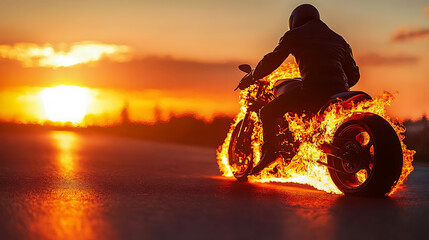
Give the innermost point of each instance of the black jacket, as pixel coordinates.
(324, 58)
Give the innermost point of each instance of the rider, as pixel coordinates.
(326, 65)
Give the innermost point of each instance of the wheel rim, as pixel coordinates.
(358, 165)
(240, 159)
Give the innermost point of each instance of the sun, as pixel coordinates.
(65, 103)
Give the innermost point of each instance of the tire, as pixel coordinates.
(374, 162)
(240, 155)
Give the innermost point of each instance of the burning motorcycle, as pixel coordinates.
(349, 141)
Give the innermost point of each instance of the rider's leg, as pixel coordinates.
(269, 154)
(290, 102)
(268, 118)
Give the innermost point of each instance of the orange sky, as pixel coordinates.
(181, 56)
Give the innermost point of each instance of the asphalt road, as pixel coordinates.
(61, 185)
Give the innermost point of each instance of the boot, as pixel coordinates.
(269, 155)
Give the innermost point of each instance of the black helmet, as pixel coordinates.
(302, 15)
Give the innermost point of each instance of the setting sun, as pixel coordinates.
(65, 103)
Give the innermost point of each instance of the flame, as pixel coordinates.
(304, 168)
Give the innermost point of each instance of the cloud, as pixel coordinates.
(376, 59)
(427, 11)
(167, 73)
(162, 73)
(407, 34)
(33, 55)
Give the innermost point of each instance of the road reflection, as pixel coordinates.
(69, 209)
(66, 143)
(299, 205)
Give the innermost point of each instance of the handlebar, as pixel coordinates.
(246, 81)
(235, 89)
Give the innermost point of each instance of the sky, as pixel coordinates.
(182, 56)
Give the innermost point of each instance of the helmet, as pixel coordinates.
(302, 15)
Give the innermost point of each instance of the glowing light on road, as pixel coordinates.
(65, 103)
(69, 209)
(65, 142)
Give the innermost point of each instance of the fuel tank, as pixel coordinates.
(285, 85)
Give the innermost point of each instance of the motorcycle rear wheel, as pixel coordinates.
(374, 160)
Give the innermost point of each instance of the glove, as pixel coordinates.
(246, 81)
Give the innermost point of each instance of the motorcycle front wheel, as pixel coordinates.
(240, 151)
(373, 156)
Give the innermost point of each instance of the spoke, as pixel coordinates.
(363, 138)
(366, 158)
(367, 169)
(360, 138)
(367, 148)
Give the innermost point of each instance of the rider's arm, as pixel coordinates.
(350, 68)
(274, 59)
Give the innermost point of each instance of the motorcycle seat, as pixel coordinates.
(347, 98)
(351, 96)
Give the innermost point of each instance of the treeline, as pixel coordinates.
(188, 129)
(182, 129)
(417, 138)
(185, 129)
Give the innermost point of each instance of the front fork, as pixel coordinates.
(244, 135)
(246, 128)
(243, 128)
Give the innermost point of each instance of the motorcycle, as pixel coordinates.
(364, 142)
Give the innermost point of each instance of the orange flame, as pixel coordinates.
(304, 168)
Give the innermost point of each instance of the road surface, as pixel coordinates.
(63, 185)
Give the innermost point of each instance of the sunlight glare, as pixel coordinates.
(65, 103)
